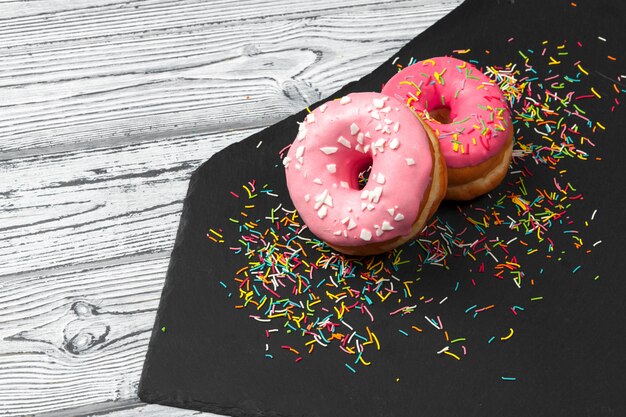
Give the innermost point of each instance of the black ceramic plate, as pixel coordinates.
(508, 305)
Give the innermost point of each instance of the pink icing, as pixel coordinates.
(339, 139)
(480, 118)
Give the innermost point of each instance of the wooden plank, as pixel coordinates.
(95, 205)
(130, 71)
(80, 339)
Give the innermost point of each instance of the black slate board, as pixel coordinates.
(566, 355)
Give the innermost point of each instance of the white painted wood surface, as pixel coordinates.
(106, 107)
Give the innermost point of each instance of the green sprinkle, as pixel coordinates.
(536, 299)
(163, 329)
(508, 378)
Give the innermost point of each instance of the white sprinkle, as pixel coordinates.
(387, 121)
(286, 161)
(345, 142)
(320, 198)
(351, 224)
(597, 243)
(386, 110)
(366, 234)
(345, 100)
(300, 151)
(318, 181)
(359, 148)
(354, 129)
(259, 144)
(322, 212)
(364, 194)
(363, 205)
(593, 214)
(345, 220)
(337, 232)
(323, 107)
(378, 103)
(396, 127)
(359, 138)
(301, 131)
(366, 148)
(387, 226)
(367, 134)
(378, 232)
(310, 118)
(399, 217)
(380, 178)
(601, 38)
(379, 127)
(307, 197)
(375, 194)
(379, 145)
(443, 300)
(370, 207)
(298, 167)
(329, 149)
(328, 200)
(394, 143)
(344, 184)
(374, 114)
(410, 161)
(390, 211)
(332, 168)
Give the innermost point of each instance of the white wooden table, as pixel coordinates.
(106, 107)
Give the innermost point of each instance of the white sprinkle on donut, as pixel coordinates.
(410, 161)
(328, 150)
(394, 144)
(387, 226)
(322, 212)
(366, 235)
(351, 224)
(345, 142)
(345, 100)
(332, 168)
(318, 181)
(378, 103)
(399, 217)
(354, 129)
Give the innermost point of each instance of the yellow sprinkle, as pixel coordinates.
(582, 70)
(596, 93)
(452, 354)
(600, 126)
(507, 337)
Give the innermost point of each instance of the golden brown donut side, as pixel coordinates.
(470, 182)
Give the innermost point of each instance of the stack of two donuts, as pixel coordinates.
(439, 129)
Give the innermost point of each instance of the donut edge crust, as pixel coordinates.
(468, 183)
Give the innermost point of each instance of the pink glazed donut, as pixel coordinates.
(342, 138)
(468, 113)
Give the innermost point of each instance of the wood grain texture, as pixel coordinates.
(106, 107)
(125, 71)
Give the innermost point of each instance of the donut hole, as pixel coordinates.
(441, 114)
(363, 171)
